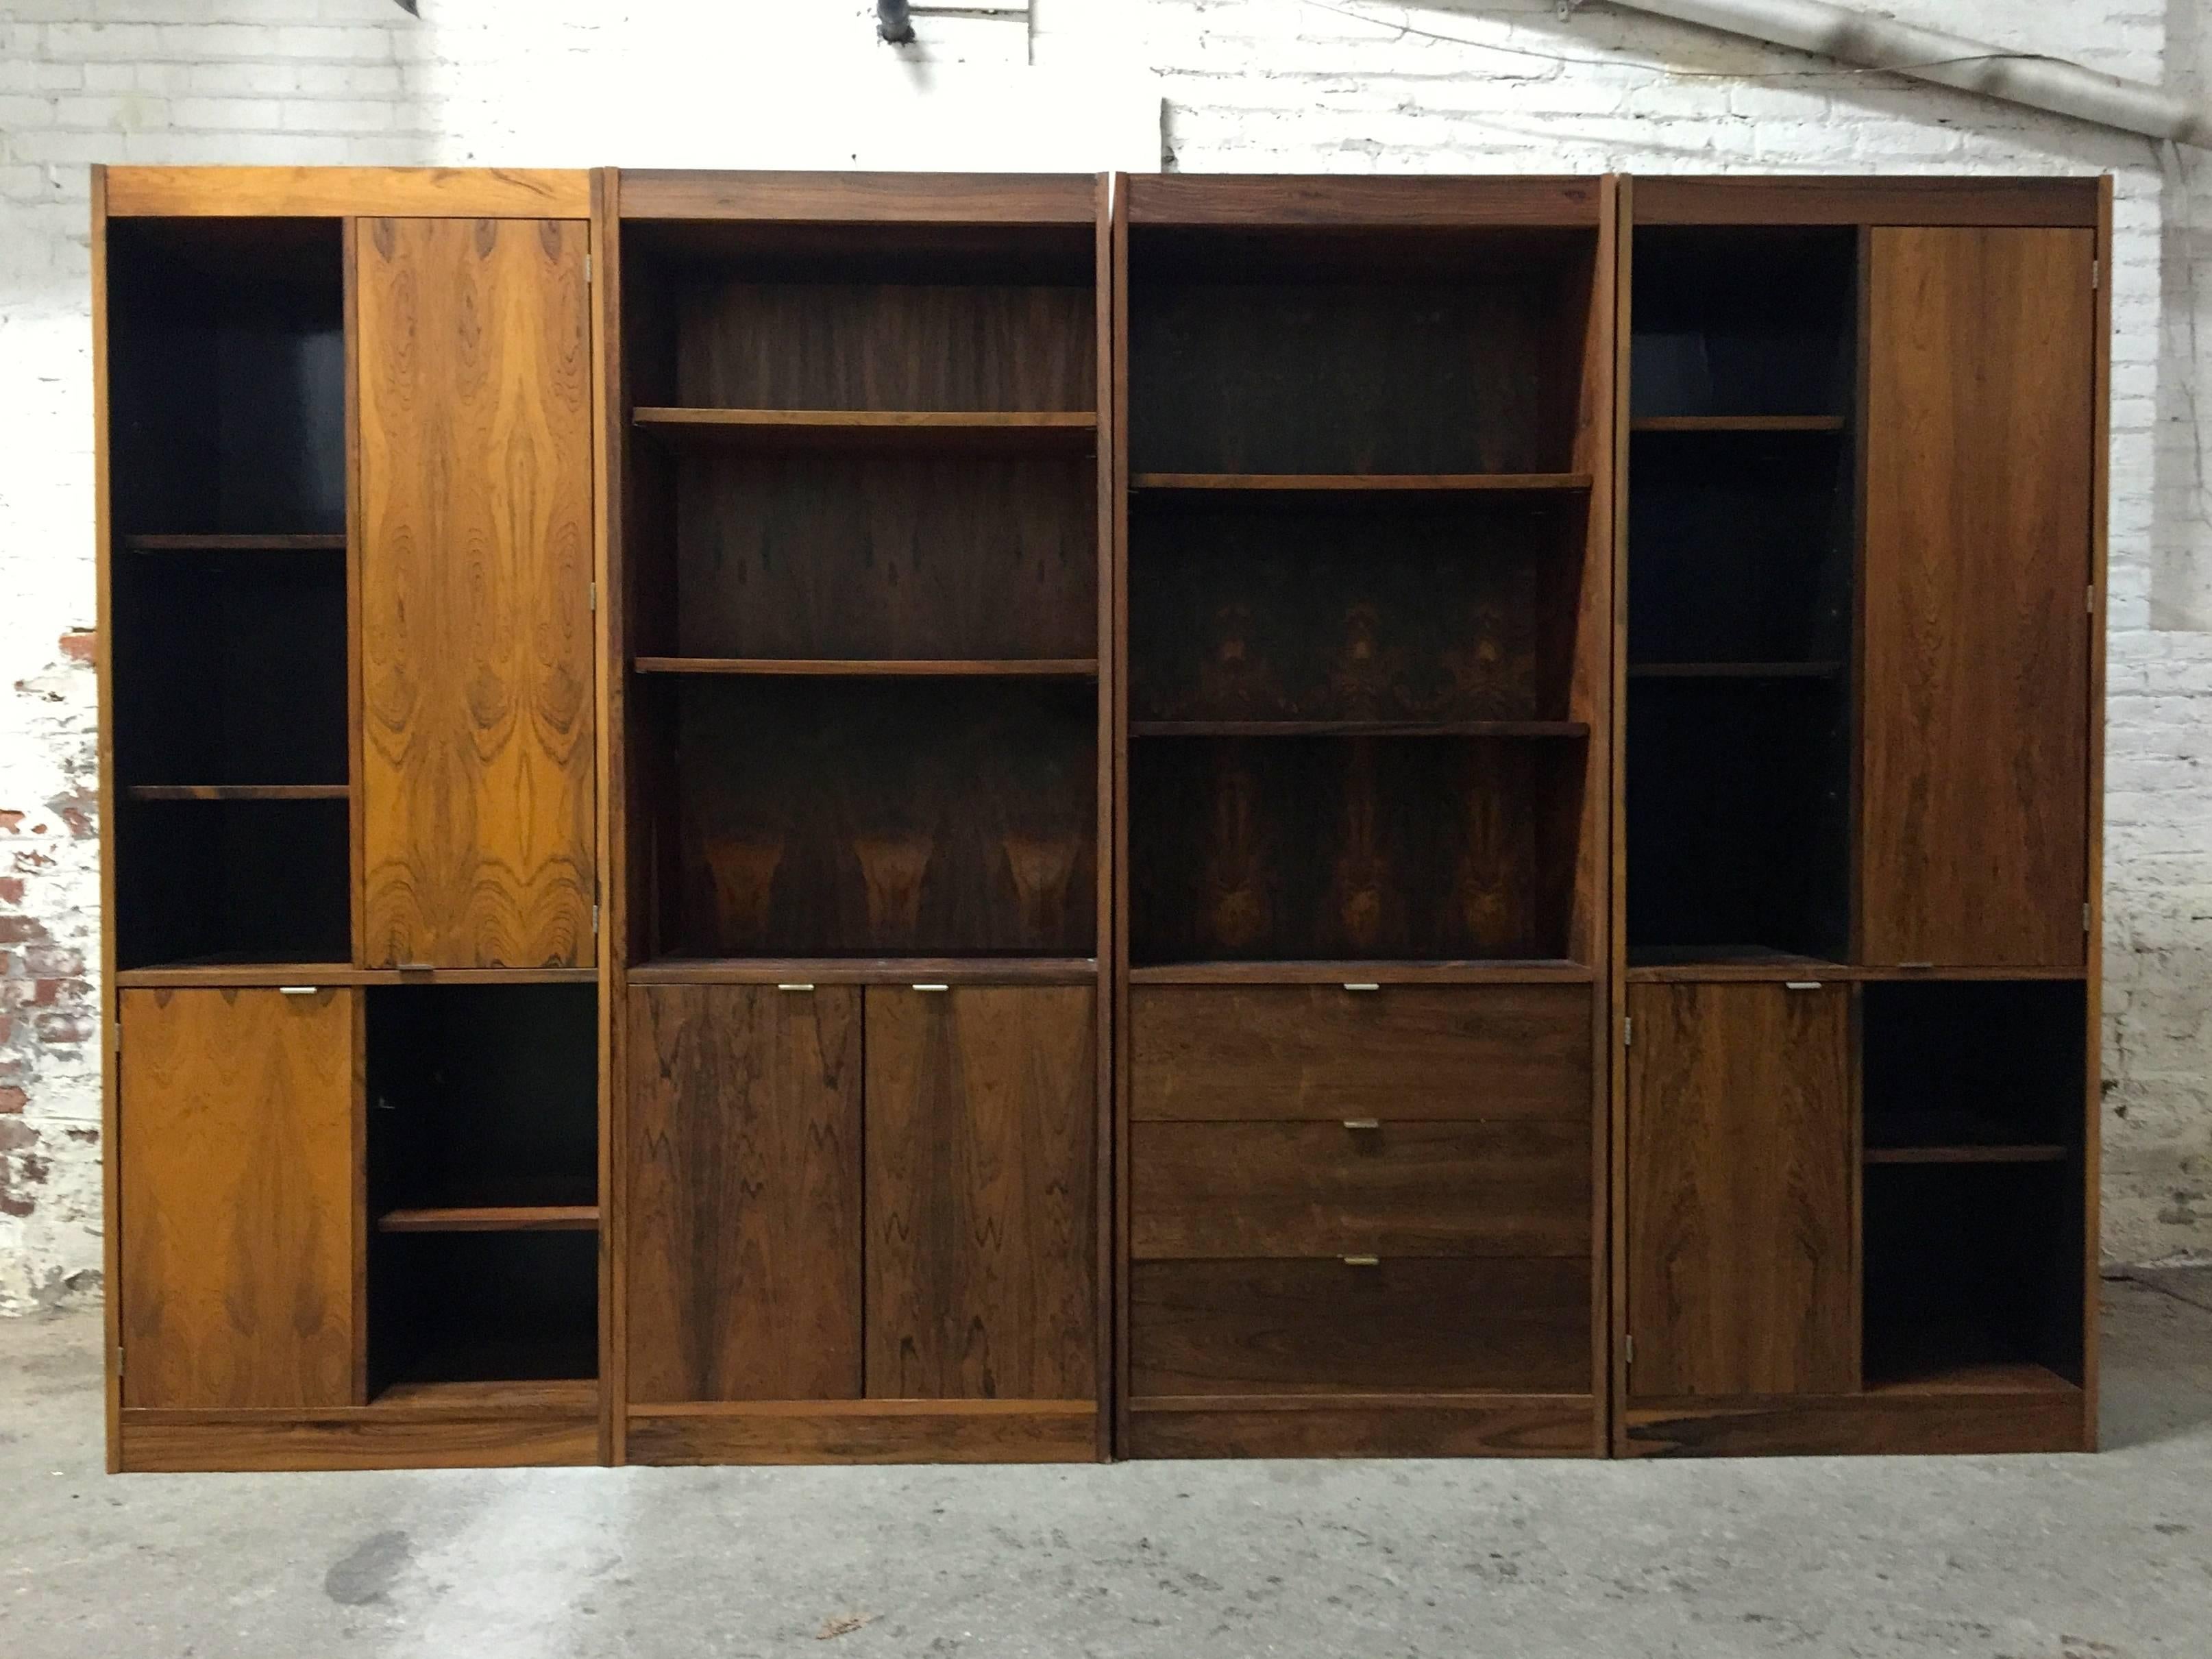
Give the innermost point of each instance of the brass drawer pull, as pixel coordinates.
(1361, 985)
(795, 985)
(1362, 1262)
(1358, 1123)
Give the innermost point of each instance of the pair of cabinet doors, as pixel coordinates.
(839, 1192)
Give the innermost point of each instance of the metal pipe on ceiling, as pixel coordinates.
(1855, 37)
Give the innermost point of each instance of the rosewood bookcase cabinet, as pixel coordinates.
(776, 817)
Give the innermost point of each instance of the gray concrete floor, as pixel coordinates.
(2024, 1558)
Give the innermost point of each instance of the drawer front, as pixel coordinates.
(1311, 1326)
(1326, 1189)
(1320, 1052)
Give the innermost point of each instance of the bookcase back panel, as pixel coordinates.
(231, 881)
(883, 555)
(1273, 609)
(1742, 320)
(829, 817)
(482, 1307)
(227, 377)
(1283, 847)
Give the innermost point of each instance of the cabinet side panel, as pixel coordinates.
(1981, 377)
(981, 1189)
(238, 1193)
(475, 426)
(1740, 1191)
(743, 1208)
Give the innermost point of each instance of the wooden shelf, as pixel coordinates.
(1534, 970)
(1994, 1376)
(866, 970)
(989, 430)
(1360, 728)
(320, 974)
(493, 1218)
(1737, 423)
(237, 792)
(222, 543)
(1734, 670)
(1362, 482)
(2039, 1153)
(552, 1397)
(863, 668)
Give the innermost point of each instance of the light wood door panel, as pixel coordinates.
(239, 1198)
(1980, 389)
(475, 517)
(743, 1207)
(981, 1106)
(1741, 1186)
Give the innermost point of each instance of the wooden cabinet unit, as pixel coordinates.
(787, 818)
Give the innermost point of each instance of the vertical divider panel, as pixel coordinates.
(1114, 648)
(110, 1003)
(356, 795)
(2093, 928)
(610, 660)
(1611, 1067)
(1104, 310)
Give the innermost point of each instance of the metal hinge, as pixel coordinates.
(1627, 1029)
(2084, 915)
(2096, 274)
(591, 596)
(2089, 600)
(587, 267)
(595, 919)
(118, 1360)
(1628, 1351)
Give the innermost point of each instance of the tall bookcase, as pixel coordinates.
(862, 432)
(1364, 591)
(849, 818)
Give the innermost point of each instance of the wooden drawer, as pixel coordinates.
(1400, 1189)
(1320, 1051)
(1424, 1325)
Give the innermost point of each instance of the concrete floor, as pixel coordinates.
(2025, 1557)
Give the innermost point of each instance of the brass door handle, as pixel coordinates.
(1362, 1262)
(1358, 1123)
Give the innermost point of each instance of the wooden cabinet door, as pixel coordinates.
(982, 1108)
(475, 519)
(241, 1214)
(1740, 1182)
(743, 1218)
(1979, 466)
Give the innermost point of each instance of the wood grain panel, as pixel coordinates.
(1285, 199)
(478, 749)
(239, 1204)
(981, 1148)
(743, 1216)
(2037, 1420)
(896, 199)
(1396, 1188)
(872, 1431)
(1320, 1052)
(284, 192)
(1799, 200)
(1740, 1190)
(1979, 426)
(1490, 1425)
(362, 1437)
(1326, 1327)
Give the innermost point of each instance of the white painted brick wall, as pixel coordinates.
(1247, 85)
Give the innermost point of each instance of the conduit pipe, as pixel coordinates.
(1951, 60)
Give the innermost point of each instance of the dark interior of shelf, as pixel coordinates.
(1269, 608)
(242, 881)
(1739, 554)
(481, 1094)
(1738, 827)
(866, 817)
(1738, 783)
(1742, 320)
(482, 1307)
(1974, 1063)
(230, 668)
(870, 555)
(1323, 351)
(1973, 1264)
(1344, 849)
(226, 375)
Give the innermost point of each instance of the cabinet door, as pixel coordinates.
(1980, 428)
(1740, 1179)
(475, 517)
(239, 1208)
(743, 1214)
(980, 1243)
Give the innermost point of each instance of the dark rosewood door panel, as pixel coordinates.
(1741, 1166)
(475, 568)
(981, 1106)
(744, 1208)
(1980, 388)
